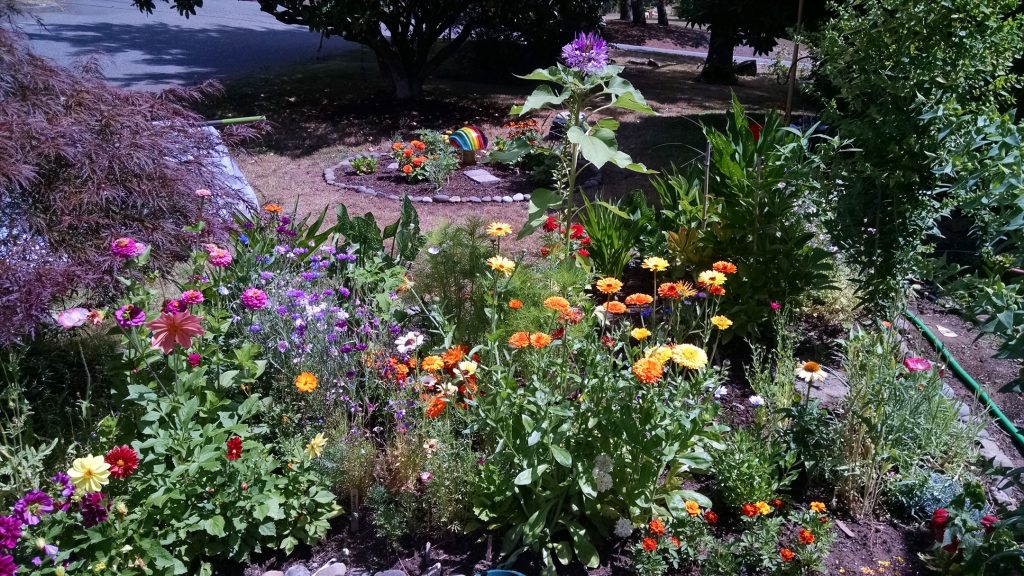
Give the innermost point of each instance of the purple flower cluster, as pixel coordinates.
(130, 315)
(587, 53)
(31, 506)
(10, 532)
(94, 508)
(254, 299)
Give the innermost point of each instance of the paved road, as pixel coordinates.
(152, 52)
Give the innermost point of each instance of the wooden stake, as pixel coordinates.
(796, 57)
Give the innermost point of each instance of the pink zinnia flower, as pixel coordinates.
(130, 315)
(194, 359)
(178, 328)
(775, 305)
(191, 297)
(915, 364)
(203, 193)
(72, 318)
(127, 248)
(123, 460)
(219, 257)
(172, 306)
(254, 299)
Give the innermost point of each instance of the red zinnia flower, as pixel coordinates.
(551, 224)
(749, 510)
(806, 537)
(650, 544)
(576, 231)
(710, 517)
(583, 252)
(786, 554)
(123, 460)
(234, 448)
(657, 527)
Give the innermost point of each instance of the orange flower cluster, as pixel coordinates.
(639, 300)
(515, 304)
(526, 128)
(615, 307)
(410, 158)
(805, 537)
(442, 383)
(676, 290)
(556, 303)
(658, 530)
(524, 339)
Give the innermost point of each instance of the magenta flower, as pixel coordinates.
(64, 482)
(194, 359)
(7, 565)
(219, 257)
(130, 315)
(72, 318)
(172, 306)
(192, 297)
(916, 364)
(254, 299)
(587, 53)
(10, 532)
(775, 305)
(127, 248)
(203, 193)
(175, 329)
(94, 509)
(31, 506)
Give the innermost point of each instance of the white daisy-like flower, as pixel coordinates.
(810, 371)
(409, 342)
(430, 446)
(602, 481)
(721, 391)
(604, 463)
(623, 528)
(756, 401)
(433, 250)
(449, 389)
(601, 314)
(466, 368)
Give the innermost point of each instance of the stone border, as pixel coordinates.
(330, 176)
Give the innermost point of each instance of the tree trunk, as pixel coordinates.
(639, 16)
(624, 10)
(718, 67)
(402, 83)
(662, 13)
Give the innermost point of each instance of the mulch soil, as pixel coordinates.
(388, 182)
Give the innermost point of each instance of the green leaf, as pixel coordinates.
(563, 552)
(561, 456)
(592, 148)
(542, 97)
(529, 475)
(629, 101)
(214, 526)
(607, 123)
(541, 201)
(585, 551)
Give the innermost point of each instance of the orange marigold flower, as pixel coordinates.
(519, 340)
(749, 510)
(436, 406)
(716, 290)
(786, 554)
(657, 527)
(650, 544)
(408, 152)
(615, 307)
(777, 502)
(608, 285)
(556, 303)
(539, 339)
(571, 316)
(675, 541)
(273, 208)
(692, 508)
(454, 355)
(396, 146)
(724, 267)
(432, 364)
(806, 537)
(818, 507)
(515, 304)
(305, 383)
(418, 161)
(407, 169)
(648, 370)
(638, 300)
(418, 145)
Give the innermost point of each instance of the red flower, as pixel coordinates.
(749, 510)
(786, 554)
(650, 544)
(675, 541)
(194, 359)
(123, 460)
(177, 328)
(938, 525)
(585, 241)
(755, 130)
(576, 231)
(545, 251)
(551, 224)
(234, 448)
(657, 527)
(583, 252)
(777, 502)
(716, 290)
(806, 537)
(988, 521)
(710, 517)
(558, 334)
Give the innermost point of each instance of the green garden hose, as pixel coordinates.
(972, 385)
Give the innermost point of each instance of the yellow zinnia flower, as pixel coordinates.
(640, 333)
(89, 474)
(721, 322)
(763, 508)
(498, 229)
(501, 264)
(316, 446)
(689, 356)
(655, 264)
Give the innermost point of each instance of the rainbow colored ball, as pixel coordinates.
(469, 139)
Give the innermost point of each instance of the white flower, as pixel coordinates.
(409, 342)
(430, 446)
(433, 250)
(223, 290)
(466, 368)
(604, 463)
(602, 481)
(450, 389)
(623, 528)
(756, 401)
(721, 391)
(810, 372)
(601, 314)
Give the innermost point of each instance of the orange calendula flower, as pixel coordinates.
(711, 278)
(519, 340)
(806, 537)
(763, 508)
(638, 300)
(305, 383)
(818, 507)
(648, 370)
(615, 307)
(396, 146)
(501, 264)
(418, 145)
(432, 364)
(556, 303)
(657, 527)
(436, 407)
(539, 339)
(692, 508)
(608, 285)
(676, 290)
(407, 169)
(571, 316)
(273, 208)
(716, 290)
(724, 267)
(515, 304)
(650, 544)
(786, 554)
(454, 355)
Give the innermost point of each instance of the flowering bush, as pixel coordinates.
(430, 157)
(970, 540)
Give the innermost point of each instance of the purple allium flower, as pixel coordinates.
(33, 505)
(254, 299)
(10, 532)
(64, 481)
(587, 53)
(94, 509)
(127, 248)
(7, 565)
(130, 315)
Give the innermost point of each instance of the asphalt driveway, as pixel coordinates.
(152, 52)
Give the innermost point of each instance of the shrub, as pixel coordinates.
(750, 468)
(365, 164)
(429, 158)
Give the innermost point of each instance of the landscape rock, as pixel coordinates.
(391, 573)
(830, 392)
(486, 199)
(991, 452)
(481, 176)
(474, 199)
(392, 166)
(506, 199)
(333, 569)
(455, 199)
(746, 68)
(297, 570)
(273, 573)
(518, 198)
(440, 198)
(329, 175)
(426, 199)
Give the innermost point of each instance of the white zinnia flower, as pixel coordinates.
(409, 342)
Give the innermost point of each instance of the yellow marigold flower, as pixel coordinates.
(721, 322)
(519, 340)
(615, 307)
(498, 229)
(501, 264)
(556, 303)
(305, 383)
(818, 507)
(89, 474)
(638, 300)
(711, 278)
(640, 333)
(692, 508)
(539, 339)
(655, 264)
(316, 446)
(432, 364)
(763, 508)
(648, 370)
(661, 354)
(689, 356)
(608, 285)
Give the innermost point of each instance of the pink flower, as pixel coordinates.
(95, 317)
(775, 305)
(177, 328)
(172, 306)
(127, 248)
(203, 193)
(254, 299)
(989, 521)
(72, 318)
(219, 257)
(194, 359)
(191, 297)
(915, 364)
(130, 315)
